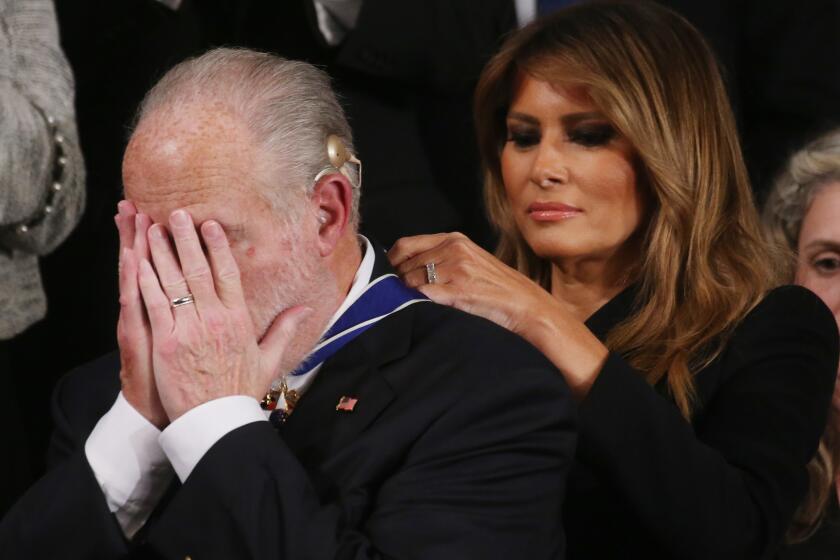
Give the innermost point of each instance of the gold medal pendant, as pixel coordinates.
(280, 390)
(291, 398)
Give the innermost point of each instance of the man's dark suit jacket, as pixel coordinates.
(646, 483)
(458, 447)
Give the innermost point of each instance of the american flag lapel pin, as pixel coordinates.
(346, 404)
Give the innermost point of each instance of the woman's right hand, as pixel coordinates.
(472, 280)
(134, 334)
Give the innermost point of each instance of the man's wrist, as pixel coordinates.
(188, 438)
(128, 463)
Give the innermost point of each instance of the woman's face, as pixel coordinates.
(569, 176)
(818, 263)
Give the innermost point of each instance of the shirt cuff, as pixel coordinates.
(128, 463)
(187, 439)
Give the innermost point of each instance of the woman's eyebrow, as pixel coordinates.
(524, 117)
(572, 119)
(824, 245)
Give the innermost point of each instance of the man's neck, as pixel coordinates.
(345, 263)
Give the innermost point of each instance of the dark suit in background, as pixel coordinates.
(406, 75)
(781, 62)
(458, 448)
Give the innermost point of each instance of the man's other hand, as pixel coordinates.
(134, 334)
(205, 349)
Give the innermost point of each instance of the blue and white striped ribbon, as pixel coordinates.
(382, 297)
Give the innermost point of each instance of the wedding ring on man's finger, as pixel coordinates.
(183, 300)
(431, 273)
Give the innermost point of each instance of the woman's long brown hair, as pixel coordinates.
(703, 263)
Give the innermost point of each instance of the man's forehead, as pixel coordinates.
(205, 160)
(191, 139)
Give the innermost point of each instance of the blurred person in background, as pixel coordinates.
(803, 214)
(42, 194)
(632, 256)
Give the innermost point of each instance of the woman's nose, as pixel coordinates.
(550, 168)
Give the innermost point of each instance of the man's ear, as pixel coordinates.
(332, 200)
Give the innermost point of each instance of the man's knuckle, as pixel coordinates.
(215, 323)
(157, 307)
(198, 273)
(174, 286)
(230, 273)
(169, 346)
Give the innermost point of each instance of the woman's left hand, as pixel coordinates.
(471, 279)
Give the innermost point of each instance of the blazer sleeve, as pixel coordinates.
(64, 515)
(36, 84)
(727, 486)
(485, 480)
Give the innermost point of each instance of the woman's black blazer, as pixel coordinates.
(649, 484)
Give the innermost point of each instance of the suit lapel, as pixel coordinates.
(317, 429)
(388, 341)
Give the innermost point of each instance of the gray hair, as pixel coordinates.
(811, 168)
(288, 105)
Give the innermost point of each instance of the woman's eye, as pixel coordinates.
(827, 265)
(523, 139)
(592, 135)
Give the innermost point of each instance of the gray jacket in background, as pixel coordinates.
(35, 214)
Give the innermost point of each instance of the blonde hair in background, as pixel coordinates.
(703, 263)
(814, 166)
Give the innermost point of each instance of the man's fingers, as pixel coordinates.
(225, 270)
(142, 223)
(273, 345)
(155, 300)
(131, 304)
(125, 223)
(194, 266)
(168, 269)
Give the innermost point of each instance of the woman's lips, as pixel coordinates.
(552, 211)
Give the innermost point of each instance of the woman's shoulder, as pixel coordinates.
(789, 309)
(789, 321)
